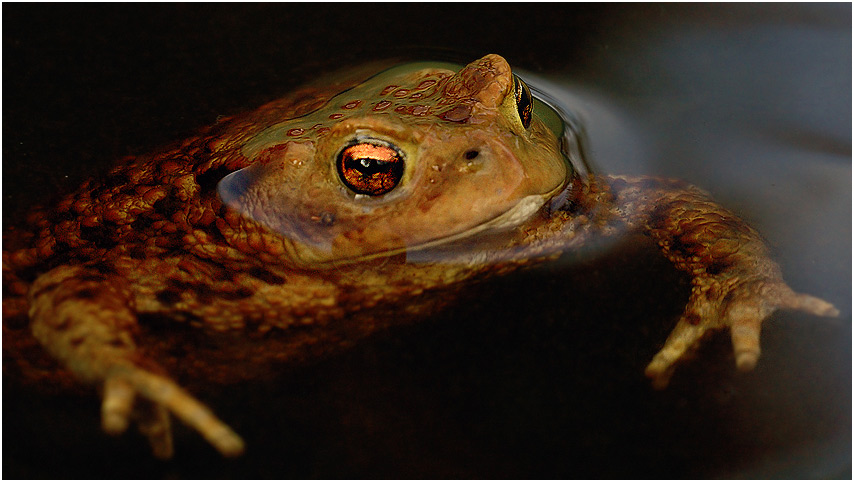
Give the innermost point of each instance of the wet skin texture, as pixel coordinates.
(260, 236)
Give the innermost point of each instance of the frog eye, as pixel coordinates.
(524, 102)
(370, 166)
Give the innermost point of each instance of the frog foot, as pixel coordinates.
(85, 321)
(158, 396)
(741, 307)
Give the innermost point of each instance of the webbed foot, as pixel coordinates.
(736, 284)
(131, 393)
(84, 320)
(741, 306)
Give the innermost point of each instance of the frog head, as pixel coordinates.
(416, 156)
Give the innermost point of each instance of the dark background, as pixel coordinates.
(145, 75)
(537, 376)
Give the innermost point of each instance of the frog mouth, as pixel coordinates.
(513, 217)
(482, 243)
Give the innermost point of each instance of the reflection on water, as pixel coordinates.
(539, 376)
(759, 114)
(732, 111)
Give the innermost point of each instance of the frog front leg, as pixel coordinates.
(735, 283)
(85, 320)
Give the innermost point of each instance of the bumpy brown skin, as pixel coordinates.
(92, 279)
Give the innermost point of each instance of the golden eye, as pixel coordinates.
(370, 166)
(524, 102)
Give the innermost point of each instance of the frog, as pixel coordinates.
(346, 207)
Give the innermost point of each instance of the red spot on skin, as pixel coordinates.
(425, 84)
(459, 113)
(401, 93)
(352, 104)
(296, 132)
(440, 86)
(416, 95)
(388, 89)
(271, 152)
(420, 110)
(383, 104)
(320, 129)
(336, 116)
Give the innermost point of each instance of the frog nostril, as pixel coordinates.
(327, 218)
(469, 155)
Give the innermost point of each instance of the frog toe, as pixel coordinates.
(117, 405)
(745, 343)
(681, 341)
(134, 393)
(154, 422)
(120, 405)
(742, 307)
(189, 410)
(756, 301)
(809, 304)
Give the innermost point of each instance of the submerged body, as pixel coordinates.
(324, 216)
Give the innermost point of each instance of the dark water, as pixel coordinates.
(536, 376)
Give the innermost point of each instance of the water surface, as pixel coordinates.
(535, 376)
